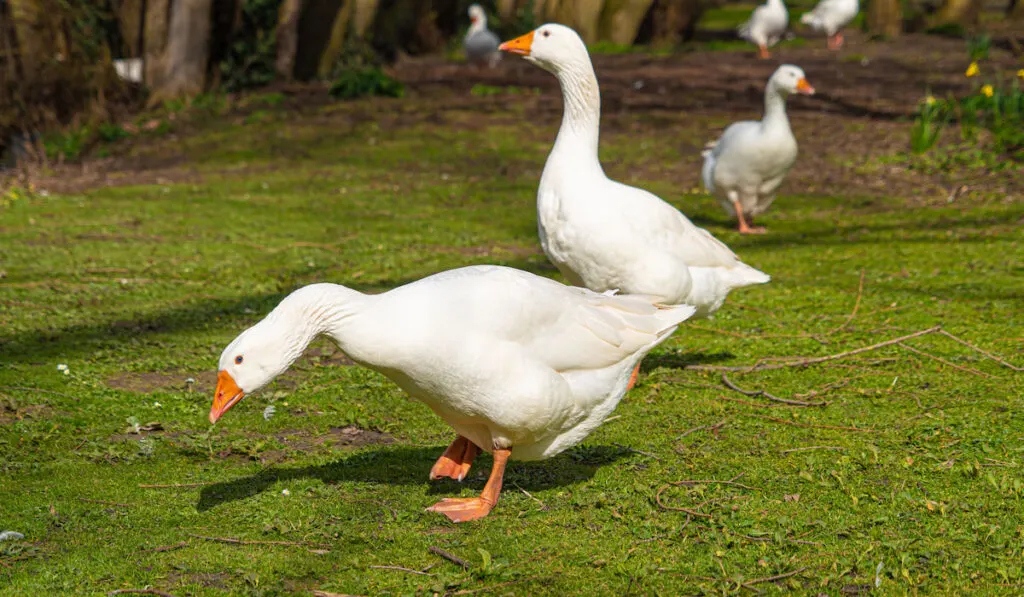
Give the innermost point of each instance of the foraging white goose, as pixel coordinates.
(480, 43)
(829, 17)
(766, 26)
(745, 167)
(606, 235)
(521, 366)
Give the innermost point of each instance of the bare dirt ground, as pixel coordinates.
(867, 94)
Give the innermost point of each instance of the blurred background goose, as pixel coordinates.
(481, 44)
(829, 17)
(519, 365)
(748, 163)
(766, 26)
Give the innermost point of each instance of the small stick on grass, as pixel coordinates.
(105, 503)
(657, 500)
(172, 485)
(795, 424)
(776, 577)
(451, 558)
(165, 548)
(141, 592)
(234, 541)
(812, 448)
(543, 506)
(762, 393)
(815, 360)
(635, 451)
(945, 362)
(711, 428)
(978, 350)
(409, 570)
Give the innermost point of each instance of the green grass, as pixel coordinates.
(138, 288)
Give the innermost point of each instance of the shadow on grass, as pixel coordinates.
(683, 360)
(410, 466)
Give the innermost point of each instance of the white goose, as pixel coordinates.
(480, 43)
(746, 166)
(606, 235)
(519, 365)
(766, 26)
(829, 17)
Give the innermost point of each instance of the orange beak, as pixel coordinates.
(228, 394)
(804, 87)
(520, 45)
(472, 19)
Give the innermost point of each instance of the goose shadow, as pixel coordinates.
(683, 360)
(405, 465)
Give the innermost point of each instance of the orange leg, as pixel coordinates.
(465, 509)
(763, 53)
(632, 379)
(744, 227)
(835, 41)
(456, 460)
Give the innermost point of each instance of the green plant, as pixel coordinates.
(250, 60)
(363, 82)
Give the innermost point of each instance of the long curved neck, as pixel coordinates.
(774, 109)
(581, 119)
(480, 24)
(312, 311)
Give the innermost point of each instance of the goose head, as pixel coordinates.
(552, 47)
(789, 79)
(477, 16)
(250, 362)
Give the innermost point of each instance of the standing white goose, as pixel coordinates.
(829, 17)
(748, 163)
(480, 43)
(606, 235)
(519, 365)
(766, 26)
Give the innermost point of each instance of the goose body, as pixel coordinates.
(606, 235)
(746, 166)
(766, 26)
(830, 17)
(518, 365)
(480, 43)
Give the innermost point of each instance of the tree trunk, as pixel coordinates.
(131, 19)
(621, 20)
(885, 18)
(958, 12)
(1015, 10)
(674, 21)
(33, 46)
(287, 38)
(155, 41)
(188, 41)
(336, 41)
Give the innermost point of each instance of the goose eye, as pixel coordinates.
(238, 360)
(546, 33)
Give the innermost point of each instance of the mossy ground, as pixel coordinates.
(909, 479)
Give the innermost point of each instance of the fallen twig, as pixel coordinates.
(172, 485)
(141, 592)
(776, 577)
(711, 428)
(690, 482)
(945, 362)
(856, 306)
(794, 423)
(105, 503)
(635, 451)
(812, 448)
(753, 393)
(165, 548)
(814, 360)
(657, 500)
(234, 541)
(543, 506)
(451, 558)
(976, 349)
(409, 570)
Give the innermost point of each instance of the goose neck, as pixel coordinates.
(581, 117)
(774, 108)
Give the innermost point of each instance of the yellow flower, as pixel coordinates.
(1020, 73)
(986, 90)
(972, 70)
(930, 100)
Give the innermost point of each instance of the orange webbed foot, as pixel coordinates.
(632, 378)
(456, 460)
(462, 509)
